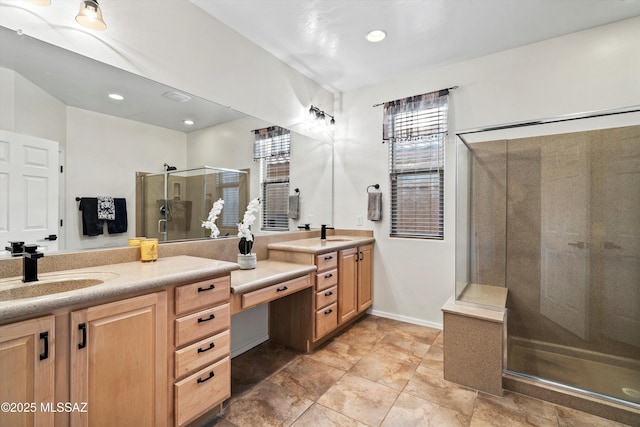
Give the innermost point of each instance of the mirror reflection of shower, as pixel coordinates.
(171, 205)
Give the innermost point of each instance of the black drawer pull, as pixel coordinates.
(202, 350)
(328, 294)
(284, 288)
(200, 380)
(45, 336)
(83, 327)
(328, 276)
(327, 258)
(207, 289)
(329, 311)
(200, 319)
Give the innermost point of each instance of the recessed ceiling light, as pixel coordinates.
(375, 36)
(116, 96)
(189, 122)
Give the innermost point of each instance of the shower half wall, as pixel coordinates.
(552, 212)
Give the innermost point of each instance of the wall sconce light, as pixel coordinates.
(321, 115)
(90, 15)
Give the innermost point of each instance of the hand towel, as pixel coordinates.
(106, 208)
(119, 223)
(374, 208)
(91, 225)
(294, 206)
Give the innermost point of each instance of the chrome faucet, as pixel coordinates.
(30, 256)
(323, 231)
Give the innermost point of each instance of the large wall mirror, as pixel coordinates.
(55, 106)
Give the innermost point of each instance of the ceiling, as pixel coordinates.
(325, 39)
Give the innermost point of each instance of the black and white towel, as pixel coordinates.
(106, 208)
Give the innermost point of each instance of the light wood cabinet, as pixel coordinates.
(27, 352)
(324, 304)
(202, 367)
(119, 362)
(365, 277)
(355, 271)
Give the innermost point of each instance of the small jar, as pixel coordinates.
(148, 250)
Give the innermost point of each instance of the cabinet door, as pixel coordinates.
(365, 274)
(347, 284)
(27, 372)
(119, 362)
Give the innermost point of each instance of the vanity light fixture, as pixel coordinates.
(375, 36)
(116, 96)
(90, 15)
(317, 113)
(188, 122)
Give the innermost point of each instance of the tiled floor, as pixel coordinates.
(379, 372)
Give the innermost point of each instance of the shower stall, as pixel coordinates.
(551, 211)
(172, 205)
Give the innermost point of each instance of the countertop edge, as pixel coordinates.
(44, 305)
(298, 270)
(317, 250)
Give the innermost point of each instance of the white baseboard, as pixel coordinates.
(248, 346)
(406, 319)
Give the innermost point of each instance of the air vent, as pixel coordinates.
(176, 96)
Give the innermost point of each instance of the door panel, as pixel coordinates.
(29, 174)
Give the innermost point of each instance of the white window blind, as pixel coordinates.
(272, 148)
(416, 129)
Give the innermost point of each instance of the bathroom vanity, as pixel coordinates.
(134, 343)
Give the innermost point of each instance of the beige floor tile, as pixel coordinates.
(320, 416)
(378, 324)
(428, 384)
(267, 404)
(406, 343)
(360, 399)
(386, 368)
(571, 418)
(513, 410)
(339, 354)
(439, 341)
(308, 378)
(422, 333)
(410, 410)
(360, 337)
(434, 359)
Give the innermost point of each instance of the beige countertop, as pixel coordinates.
(265, 274)
(316, 246)
(119, 280)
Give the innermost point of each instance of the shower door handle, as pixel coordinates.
(162, 230)
(579, 245)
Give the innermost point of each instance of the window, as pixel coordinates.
(272, 148)
(416, 129)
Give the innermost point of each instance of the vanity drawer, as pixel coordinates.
(326, 297)
(202, 353)
(199, 295)
(202, 324)
(326, 319)
(327, 261)
(275, 291)
(327, 279)
(202, 391)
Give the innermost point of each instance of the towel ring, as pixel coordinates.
(376, 186)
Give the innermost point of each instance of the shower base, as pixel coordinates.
(611, 383)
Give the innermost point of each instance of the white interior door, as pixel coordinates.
(619, 236)
(565, 199)
(29, 173)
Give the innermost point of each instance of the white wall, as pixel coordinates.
(591, 70)
(103, 155)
